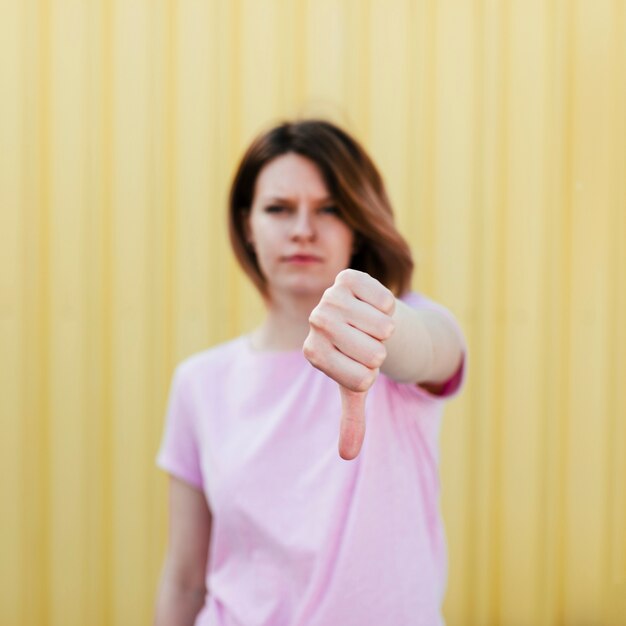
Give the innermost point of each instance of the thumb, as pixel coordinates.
(352, 428)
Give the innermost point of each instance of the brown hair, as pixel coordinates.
(353, 181)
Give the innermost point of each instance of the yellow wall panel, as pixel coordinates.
(12, 327)
(499, 127)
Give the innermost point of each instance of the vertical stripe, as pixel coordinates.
(234, 139)
(500, 273)
(108, 250)
(426, 26)
(565, 303)
(411, 173)
(476, 583)
(12, 314)
(545, 555)
(616, 515)
(41, 416)
(171, 277)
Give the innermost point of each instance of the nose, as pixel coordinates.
(303, 226)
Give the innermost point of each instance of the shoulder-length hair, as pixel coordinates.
(355, 185)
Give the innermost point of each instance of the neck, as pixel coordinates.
(286, 325)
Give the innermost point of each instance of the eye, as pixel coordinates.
(274, 208)
(331, 209)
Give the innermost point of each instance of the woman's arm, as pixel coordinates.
(424, 348)
(358, 329)
(182, 589)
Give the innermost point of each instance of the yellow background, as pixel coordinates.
(500, 128)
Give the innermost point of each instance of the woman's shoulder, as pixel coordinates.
(417, 300)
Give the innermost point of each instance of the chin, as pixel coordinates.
(304, 288)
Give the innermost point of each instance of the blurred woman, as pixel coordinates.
(284, 510)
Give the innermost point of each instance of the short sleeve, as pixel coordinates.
(454, 384)
(179, 452)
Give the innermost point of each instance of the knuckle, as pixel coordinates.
(389, 303)
(378, 357)
(388, 329)
(384, 329)
(318, 318)
(311, 353)
(307, 348)
(360, 385)
(345, 276)
(332, 296)
(363, 383)
(328, 293)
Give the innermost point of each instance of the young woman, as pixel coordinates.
(284, 508)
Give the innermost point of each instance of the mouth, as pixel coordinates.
(302, 259)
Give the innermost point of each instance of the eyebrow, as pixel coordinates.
(324, 200)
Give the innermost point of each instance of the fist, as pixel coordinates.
(345, 341)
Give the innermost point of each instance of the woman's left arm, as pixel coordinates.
(425, 347)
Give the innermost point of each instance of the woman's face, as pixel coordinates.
(301, 243)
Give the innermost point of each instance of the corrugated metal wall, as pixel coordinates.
(500, 128)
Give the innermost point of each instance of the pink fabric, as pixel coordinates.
(300, 536)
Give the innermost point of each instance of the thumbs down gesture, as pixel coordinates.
(348, 329)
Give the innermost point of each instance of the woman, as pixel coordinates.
(269, 522)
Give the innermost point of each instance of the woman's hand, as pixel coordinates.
(348, 328)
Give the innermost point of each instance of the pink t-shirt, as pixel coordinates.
(301, 537)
